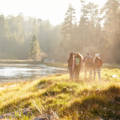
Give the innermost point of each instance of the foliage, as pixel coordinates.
(34, 48)
(96, 32)
(112, 27)
(68, 28)
(87, 34)
(16, 33)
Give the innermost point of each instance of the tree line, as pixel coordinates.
(16, 34)
(96, 32)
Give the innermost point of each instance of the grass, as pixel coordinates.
(70, 99)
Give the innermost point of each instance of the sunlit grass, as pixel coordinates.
(70, 99)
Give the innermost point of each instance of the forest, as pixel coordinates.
(97, 31)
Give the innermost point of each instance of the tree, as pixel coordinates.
(82, 23)
(90, 19)
(68, 28)
(34, 27)
(111, 16)
(4, 33)
(34, 50)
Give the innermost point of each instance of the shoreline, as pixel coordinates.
(51, 64)
(16, 79)
(19, 62)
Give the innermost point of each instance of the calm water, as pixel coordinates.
(18, 72)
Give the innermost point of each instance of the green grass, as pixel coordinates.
(70, 99)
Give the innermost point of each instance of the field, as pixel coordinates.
(65, 99)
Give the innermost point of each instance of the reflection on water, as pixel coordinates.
(13, 72)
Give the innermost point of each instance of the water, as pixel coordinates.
(20, 72)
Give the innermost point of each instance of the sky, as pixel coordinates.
(52, 10)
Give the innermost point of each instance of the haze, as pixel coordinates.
(53, 10)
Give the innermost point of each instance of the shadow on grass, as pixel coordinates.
(59, 88)
(85, 105)
(101, 104)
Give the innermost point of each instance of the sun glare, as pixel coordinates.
(53, 10)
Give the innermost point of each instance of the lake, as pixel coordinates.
(21, 72)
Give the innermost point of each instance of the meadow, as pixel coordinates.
(66, 99)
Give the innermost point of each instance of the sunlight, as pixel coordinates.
(61, 56)
(53, 10)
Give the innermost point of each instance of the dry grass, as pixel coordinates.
(70, 99)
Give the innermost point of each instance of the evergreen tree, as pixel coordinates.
(112, 27)
(4, 33)
(68, 28)
(34, 50)
(88, 22)
(34, 27)
(112, 20)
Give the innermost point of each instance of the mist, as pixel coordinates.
(96, 32)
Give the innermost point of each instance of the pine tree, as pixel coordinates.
(35, 29)
(34, 50)
(4, 32)
(112, 13)
(112, 27)
(68, 27)
(88, 22)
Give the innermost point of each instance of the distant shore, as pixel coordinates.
(51, 64)
(7, 61)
